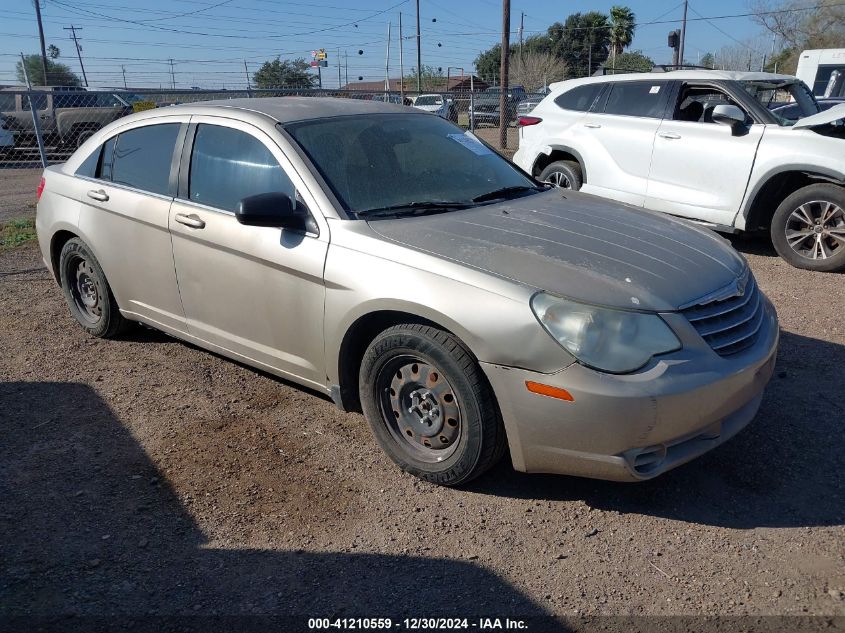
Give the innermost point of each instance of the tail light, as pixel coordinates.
(40, 189)
(528, 120)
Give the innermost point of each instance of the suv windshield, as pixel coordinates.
(774, 93)
(390, 161)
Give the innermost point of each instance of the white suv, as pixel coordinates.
(703, 145)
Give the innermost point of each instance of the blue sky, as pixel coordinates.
(210, 39)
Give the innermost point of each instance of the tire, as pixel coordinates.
(808, 228)
(563, 171)
(460, 435)
(87, 291)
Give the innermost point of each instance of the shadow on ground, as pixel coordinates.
(783, 470)
(91, 528)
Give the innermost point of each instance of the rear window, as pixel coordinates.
(142, 158)
(74, 100)
(637, 98)
(580, 98)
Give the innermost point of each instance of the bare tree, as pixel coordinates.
(535, 70)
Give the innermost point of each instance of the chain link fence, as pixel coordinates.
(46, 126)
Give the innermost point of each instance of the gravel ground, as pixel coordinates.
(17, 192)
(146, 476)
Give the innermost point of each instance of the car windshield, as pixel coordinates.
(428, 100)
(387, 161)
(774, 93)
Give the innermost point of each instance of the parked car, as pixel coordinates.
(703, 145)
(67, 116)
(530, 102)
(7, 139)
(793, 111)
(486, 104)
(438, 104)
(391, 260)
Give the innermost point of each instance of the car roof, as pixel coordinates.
(680, 75)
(289, 109)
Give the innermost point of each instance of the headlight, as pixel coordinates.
(615, 341)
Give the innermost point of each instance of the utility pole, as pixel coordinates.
(339, 84)
(504, 117)
(43, 47)
(72, 29)
(401, 62)
(521, 29)
(346, 66)
(123, 70)
(419, 55)
(683, 35)
(248, 84)
(387, 63)
(172, 76)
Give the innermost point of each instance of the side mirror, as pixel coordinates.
(729, 115)
(275, 209)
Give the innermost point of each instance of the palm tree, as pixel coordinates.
(623, 23)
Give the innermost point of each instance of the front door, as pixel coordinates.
(700, 169)
(255, 292)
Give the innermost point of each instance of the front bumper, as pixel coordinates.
(636, 426)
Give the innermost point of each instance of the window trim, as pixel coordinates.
(665, 83)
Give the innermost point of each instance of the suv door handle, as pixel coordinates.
(98, 194)
(669, 135)
(192, 220)
(592, 125)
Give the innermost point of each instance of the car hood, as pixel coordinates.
(579, 246)
(821, 118)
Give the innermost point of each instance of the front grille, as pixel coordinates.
(730, 325)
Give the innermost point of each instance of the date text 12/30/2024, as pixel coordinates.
(417, 624)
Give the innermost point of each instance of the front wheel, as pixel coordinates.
(565, 174)
(429, 405)
(808, 228)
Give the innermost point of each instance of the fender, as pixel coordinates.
(546, 150)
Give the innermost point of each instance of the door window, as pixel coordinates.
(7, 102)
(141, 158)
(696, 103)
(637, 98)
(40, 101)
(228, 165)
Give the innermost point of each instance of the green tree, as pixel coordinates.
(284, 74)
(623, 23)
(708, 61)
(57, 74)
(431, 79)
(583, 41)
(633, 61)
(488, 63)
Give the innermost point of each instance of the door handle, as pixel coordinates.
(669, 135)
(192, 220)
(592, 125)
(98, 194)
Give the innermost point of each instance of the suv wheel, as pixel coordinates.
(565, 174)
(808, 228)
(87, 292)
(429, 405)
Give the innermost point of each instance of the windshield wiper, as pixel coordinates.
(413, 208)
(504, 192)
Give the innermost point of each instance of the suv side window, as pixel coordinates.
(637, 98)
(228, 165)
(7, 102)
(696, 103)
(581, 98)
(142, 158)
(40, 101)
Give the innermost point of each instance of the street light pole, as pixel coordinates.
(503, 95)
(419, 54)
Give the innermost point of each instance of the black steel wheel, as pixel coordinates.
(429, 405)
(87, 292)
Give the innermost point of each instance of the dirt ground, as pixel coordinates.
(143, 476)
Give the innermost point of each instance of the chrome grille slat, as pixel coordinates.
(729, 325)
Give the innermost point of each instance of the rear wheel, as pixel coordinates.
(87, 292)
(429, 405)
(808, 228)
(565, 174)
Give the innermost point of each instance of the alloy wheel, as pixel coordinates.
(816, 230)
(559, 179)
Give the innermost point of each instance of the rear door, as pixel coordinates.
(700, 169)
(126, 188)
(619, 137)
(255, 292)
